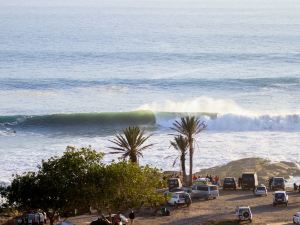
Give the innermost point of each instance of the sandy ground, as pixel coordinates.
(263, 167)
(222, 208)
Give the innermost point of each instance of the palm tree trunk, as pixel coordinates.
(191, 162)
(183, 169)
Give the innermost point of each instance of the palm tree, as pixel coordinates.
(131, 143)
(181, 144)
(189, 126)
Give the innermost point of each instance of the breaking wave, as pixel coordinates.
(161, 120)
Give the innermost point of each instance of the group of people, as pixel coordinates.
(212, 179)
(296, 187)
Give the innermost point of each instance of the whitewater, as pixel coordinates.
(76, 72)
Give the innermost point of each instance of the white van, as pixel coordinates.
(205, 191)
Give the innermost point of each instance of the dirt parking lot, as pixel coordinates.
(222, 208)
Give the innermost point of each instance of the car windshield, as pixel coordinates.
(202, 188)
(279, 195)
(278, 181)
(248, 177)
(228, 180)
(261, 188)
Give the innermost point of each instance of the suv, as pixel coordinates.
(280, 197)
(261, 190)
(178, 198)
(278, 183)
(249, 180)
(229, 183)
(244, 213)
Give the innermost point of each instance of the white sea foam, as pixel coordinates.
(196, 105)
(223, 115)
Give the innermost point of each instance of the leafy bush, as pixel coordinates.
(78, 179)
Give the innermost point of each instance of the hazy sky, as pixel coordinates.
(223, 3)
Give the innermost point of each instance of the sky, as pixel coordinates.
(214, 3)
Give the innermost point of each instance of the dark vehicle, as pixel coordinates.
(33, 219)
(249, 181)
(278, 183)
(174, 183)
(229, 183)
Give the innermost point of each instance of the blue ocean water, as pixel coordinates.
(239, 60)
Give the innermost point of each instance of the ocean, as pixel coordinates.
(77, 72)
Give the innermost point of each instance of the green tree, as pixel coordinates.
(189, 126)
(131, 143)
(181, 144)
(122, 185)
(58, 185)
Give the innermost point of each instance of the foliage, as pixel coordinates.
(181, 144)
(78, 180)
(123, 185)
(58, 184)
(189, 126)
(130, 143)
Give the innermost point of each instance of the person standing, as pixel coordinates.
(131, 217)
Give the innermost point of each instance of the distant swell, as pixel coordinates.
(161, 120)
(80, 119)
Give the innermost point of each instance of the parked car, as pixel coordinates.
(296, 218)
(229, 183)
(205, 191)
(244, 214)
(34, 219)
(278, 183)
(261, 190)
(280, 197)
(174, 183)
(249, 180)
(178, 198)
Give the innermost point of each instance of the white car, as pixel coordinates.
(244, 214)
(296, 218)
(178, 198)
(261, 190)
(280, 197)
